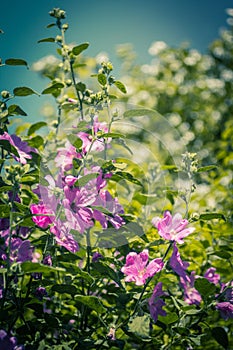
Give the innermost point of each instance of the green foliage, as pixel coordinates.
(163, 147)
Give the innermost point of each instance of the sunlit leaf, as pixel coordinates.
(55, 88)
(102, 79)
(120, 86)
(211, 216)
(92, 302)
(24, 91)
(35, 127)
(80, 48)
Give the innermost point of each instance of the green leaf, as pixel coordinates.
(119, 175)
(8, 147)
(120, 86)
(82, 181)
(55, 88)
(140, 326)
(79, 273)
(46, 40)
(24, 91)
(204, 287)
(220, 335)
(35, 127)
(113, 135)
(207, 168)
(16, 62)
(4, 210)
(75, 140)
(36, 141)
(140, 112)
(50, 25)
(5, 189)
(16, 110)
(223, 254)
(30, 267)
(211, 216)
(80, 48)
(169, 318)
(102, 79)
(80, 87)
(92, 302)
(103, 269)
(64, 288)
(145, 199)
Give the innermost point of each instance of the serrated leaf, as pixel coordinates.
(140, 326)
(64, 289)
(204, 287)
(16, 62)
(46, 40)
(75, 140)
(82, 181)
(16, 110)
(53, 89)
(92, 302)
(120, 86)
(211, 216)
(80, 48)
(220, 335)
(102, 79)
(24, 91)
(35, 127)
(206, 168)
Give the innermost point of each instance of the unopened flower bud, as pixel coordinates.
(5, 94)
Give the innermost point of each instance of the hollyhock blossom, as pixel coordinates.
(172, 228)
(177, 265)
(96, 256)
(137, 268)
(191, 295)
(156, 303)
(41, 220)
(40, 293)
(211, 276)
(114, 208)
(63, 237)
(65, 156)
(21, 146)
(226, 309)
(76, 202)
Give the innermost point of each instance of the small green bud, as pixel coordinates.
(5, 94)
(68, 82)
(57, 13)
(65, 26)
(58, 38)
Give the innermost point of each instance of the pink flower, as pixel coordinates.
(136, 267)
(177, 264)
(41, 220)
(63, 237)
(65, 156)
(21, 146)
(172, 228)
(211, 276)
(191, 295)
(156, 303)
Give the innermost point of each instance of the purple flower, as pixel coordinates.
(226, 309)
(191, 295)
(47, 260)
(61, 230)
(156, 303)
(172, 228)
(96, 256)
(8, 343)
(211, 276)
(25, 251)
(40, 293)
(21, 146)
(137, 269)
(177, 265)
(42, 221)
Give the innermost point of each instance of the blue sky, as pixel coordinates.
(103, 23)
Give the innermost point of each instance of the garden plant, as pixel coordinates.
(115, 209)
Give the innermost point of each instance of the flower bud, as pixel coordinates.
(5, 94)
